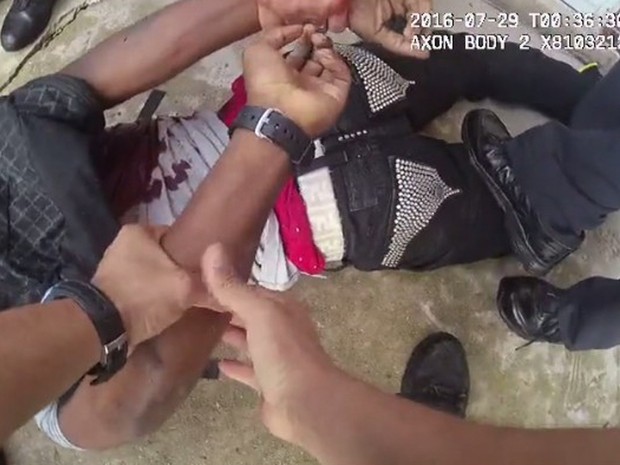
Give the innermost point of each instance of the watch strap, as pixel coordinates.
(106, 320)
(268, 123)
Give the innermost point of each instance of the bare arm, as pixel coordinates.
(162, 45)
(162, 372)
(348, 422)
(29, 377)
(41, 358)
(308, 401)
(230, 207)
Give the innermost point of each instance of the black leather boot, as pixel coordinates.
(24, 22)
(437, 375)
(536, 245)
(529, 306)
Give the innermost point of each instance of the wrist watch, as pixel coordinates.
(106, 319)
(271, 124)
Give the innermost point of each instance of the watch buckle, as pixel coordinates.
(116, 345)
(264, 119)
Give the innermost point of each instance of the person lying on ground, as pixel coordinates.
(182, 151)
(378, 195)
(59, 226)
(64, 139)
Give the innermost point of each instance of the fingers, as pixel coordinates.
(225, 284)
(300, 56)
(421, 7)
(239, 372)
(320, 41)
(236, 338)
(303, 48)
(268, 19)
(312, 68)
(338, 22)
(237, 322)
(157, 232)
(281, 36)
(398, 43)
(197, 294)
(335, 69)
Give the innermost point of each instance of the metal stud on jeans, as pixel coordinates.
(421, 192)
(384, 86)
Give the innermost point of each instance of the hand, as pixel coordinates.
(313, 97)
(369, 19)
(150, 291)
(287, 360)
(332, 13)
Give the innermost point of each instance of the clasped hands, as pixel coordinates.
(370, 19)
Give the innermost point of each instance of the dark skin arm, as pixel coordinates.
(150, 293)
(162, 45)
(24, 390)
(132, 61)
(161, 373)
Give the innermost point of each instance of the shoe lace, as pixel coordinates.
(529, 343)
(549, 329)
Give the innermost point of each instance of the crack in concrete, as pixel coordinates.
(48, 37)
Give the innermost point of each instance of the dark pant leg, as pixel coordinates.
(572, 175)
(589, 315)
(415, 203)
(531, 79)
(520, 77)
(600, 108)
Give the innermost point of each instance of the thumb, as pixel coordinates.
(398, 43)
(225, 284)
(268, 18)
(338, 22)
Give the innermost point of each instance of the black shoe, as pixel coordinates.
(538, 247)
(3, 458)
(529, 306)
(24, 22)
(437, 375)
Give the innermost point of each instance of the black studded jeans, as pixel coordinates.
(411, 202)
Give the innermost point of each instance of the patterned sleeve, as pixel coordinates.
(63, 98)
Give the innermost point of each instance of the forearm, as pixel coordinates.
(157, 48)
(351, 422)
(156, 379)
(39, 360)
(231, 206)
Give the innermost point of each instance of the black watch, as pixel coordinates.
(106, 319)
(270, 124)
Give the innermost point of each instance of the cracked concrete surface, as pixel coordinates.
(369, 322)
